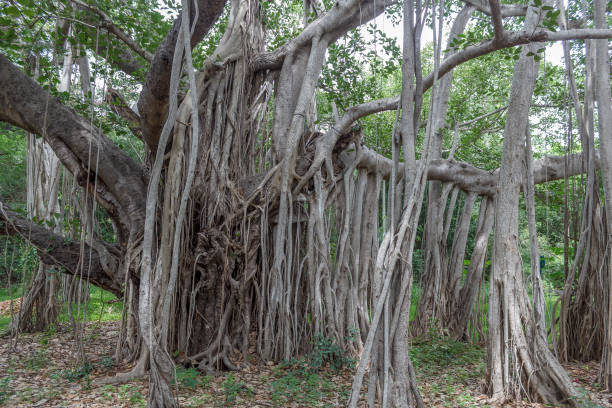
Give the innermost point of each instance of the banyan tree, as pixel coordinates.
(249, 225)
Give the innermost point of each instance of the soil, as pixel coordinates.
(43, 370)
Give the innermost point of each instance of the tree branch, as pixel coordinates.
(108, 24)
(336, 22)
(153, 101)
(472, 179)
(121, 108)
(53, 249)
(510, 39)
(507, 10)
(90, 156)
(496, 17)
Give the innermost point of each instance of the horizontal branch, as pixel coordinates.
(471, 179)
(507, 10)
(510, 39)
(53, 249)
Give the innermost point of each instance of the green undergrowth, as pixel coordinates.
(307, 389)
(312, 380)
(102, 306)
(445, 368)
(435, 352)
(4, 293)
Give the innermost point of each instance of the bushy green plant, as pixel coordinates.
(76, 373)
(107, 362)
(232, 387)
(325, 350)
(190, 377)
(583, 399)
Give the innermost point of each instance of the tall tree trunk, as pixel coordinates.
(582, 303)
(434, 301)
(604, 105)
(519, 362)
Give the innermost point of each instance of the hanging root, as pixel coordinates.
(137, 372)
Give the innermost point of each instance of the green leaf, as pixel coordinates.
(12, 11)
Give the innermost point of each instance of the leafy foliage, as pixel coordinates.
(232, 388)
(191, 378)
(76, 373)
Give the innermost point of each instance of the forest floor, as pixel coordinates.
(38, 370)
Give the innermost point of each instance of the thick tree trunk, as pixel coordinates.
(519, 362)
(604, 105)
(582, 336)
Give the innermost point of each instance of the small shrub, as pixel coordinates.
(190, 377)
(76, 373)
(327, 351)
(133, 395)
(107, 362)
(233, 387)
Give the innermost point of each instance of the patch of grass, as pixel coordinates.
(5, 389)
(435, 352)
(5, 321)
(307, 389)
(38, 360)
(102, 306)
(15, 292)
(129, 392)
(445, 366)
(191, 378)
(232, 388)
(76, 373)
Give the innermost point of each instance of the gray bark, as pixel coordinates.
(604, 106)
(519, 362)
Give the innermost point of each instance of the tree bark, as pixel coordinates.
(604, 106)
(519, 362)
